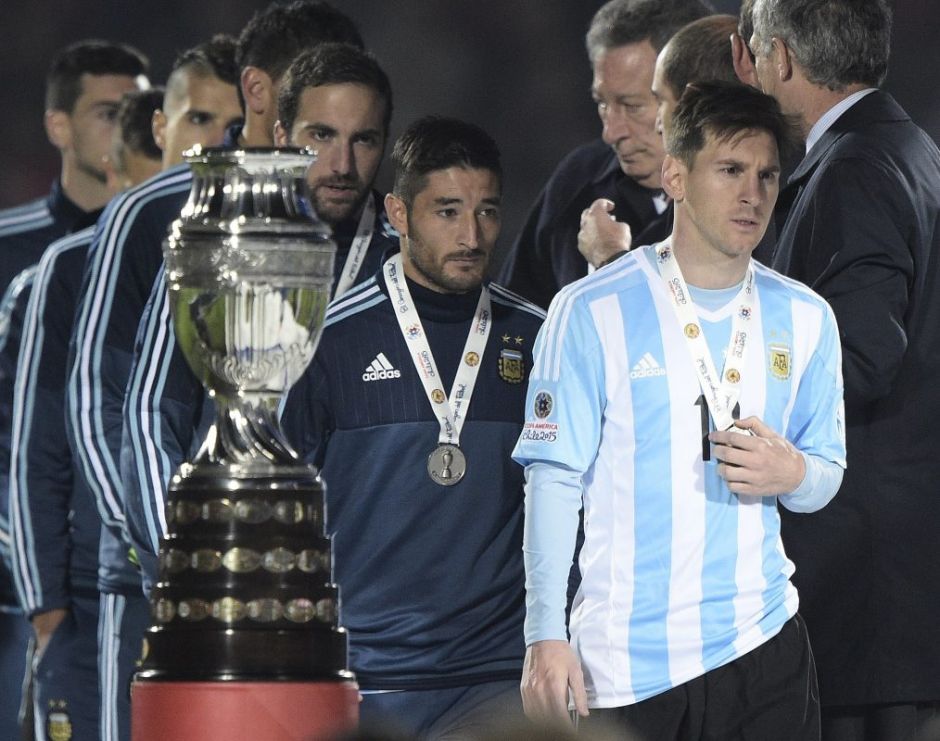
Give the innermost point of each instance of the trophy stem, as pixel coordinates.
(246, 433)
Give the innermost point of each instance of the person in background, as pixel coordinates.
(84, 86)
(623, 166)
(699, 52)
(54, 527)
(864, 232)
(335, 97)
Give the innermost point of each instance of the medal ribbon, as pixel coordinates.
(450, 412)
(721, 392)
(357, 250)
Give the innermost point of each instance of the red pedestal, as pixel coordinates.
(229, 711)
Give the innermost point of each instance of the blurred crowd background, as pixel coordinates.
(516, 67)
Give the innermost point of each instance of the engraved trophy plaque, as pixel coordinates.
(245, 598)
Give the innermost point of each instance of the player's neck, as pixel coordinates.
(705, 267)
(83, 189)
(256, 132)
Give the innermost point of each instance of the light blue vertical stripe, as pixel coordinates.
(776, 319)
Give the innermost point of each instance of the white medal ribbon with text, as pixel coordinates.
(721, 392)
(357, 250)
(450, 411)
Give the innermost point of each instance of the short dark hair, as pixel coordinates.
(622, 22)
(90, 57)
(724, 110)
(700, 51)
(277, 34)
(135, 121)
(212, 58)
(331, 64)
(435, 143)
(836, 42)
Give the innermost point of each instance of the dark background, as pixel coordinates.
(516, 67)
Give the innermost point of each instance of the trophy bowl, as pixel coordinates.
(248, 271)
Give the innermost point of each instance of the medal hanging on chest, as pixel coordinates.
(720, 392)
(447, 464)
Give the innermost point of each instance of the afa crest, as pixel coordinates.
(511, 366)
(58, 723)
(780, 361)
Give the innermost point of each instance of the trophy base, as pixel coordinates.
(245, 656)
(211, 711)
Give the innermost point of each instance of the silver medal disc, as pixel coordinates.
(446, 464)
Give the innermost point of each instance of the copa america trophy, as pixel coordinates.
(245, 612)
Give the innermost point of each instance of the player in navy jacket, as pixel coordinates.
(165, 401)
(423, 499)
(84, 85)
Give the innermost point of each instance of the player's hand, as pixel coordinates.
(762, 464)
(44, 625)
(601, 237)
(550, 669)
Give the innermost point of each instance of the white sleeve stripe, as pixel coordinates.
(25, 223)
(508, 298)
(334, 318)
(151, 463)
(33, 209)
(362, 292)
(28, 576)
(557, 327)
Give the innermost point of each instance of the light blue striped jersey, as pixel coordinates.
(679, 575)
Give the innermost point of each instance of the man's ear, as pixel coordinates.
(281, 139)
(397, 213)
(158, 128)
(257, 90)
(58, 128)
(673, 179)
(782, 59)
(743, 61)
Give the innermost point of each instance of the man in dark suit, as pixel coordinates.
(623, 166)
(864, 232)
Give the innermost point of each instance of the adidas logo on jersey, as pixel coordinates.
(380, 369)
(647, 367)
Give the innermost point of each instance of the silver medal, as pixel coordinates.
(446, 464)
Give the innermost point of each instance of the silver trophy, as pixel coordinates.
(245, 588)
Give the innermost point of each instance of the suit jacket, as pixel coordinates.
(864, 232)
(545, 257)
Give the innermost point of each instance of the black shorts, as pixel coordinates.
(769, 694)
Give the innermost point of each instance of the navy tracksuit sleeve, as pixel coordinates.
(163, 407)
(119, 274)
(40, 472)
(12, 315)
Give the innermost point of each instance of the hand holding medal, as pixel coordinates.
(756, 461)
